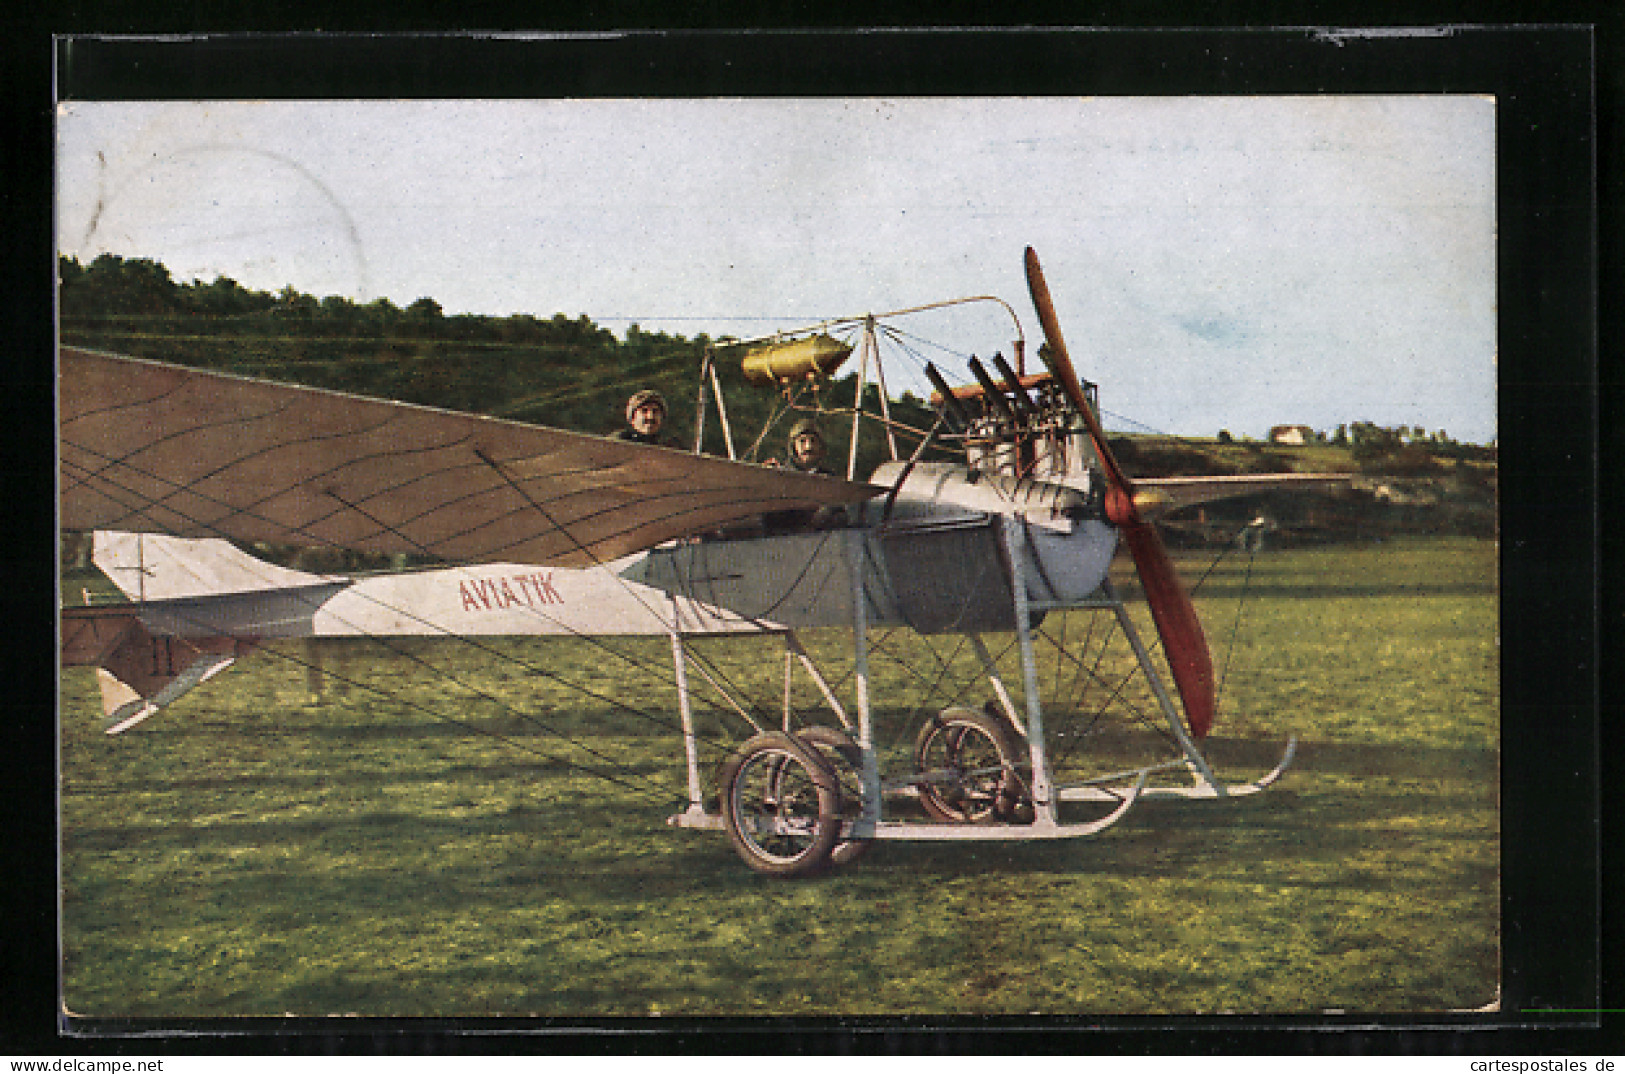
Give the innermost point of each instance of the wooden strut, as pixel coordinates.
(696, 800)
(1200, 769)
(1042, 787)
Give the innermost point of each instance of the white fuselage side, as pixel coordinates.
(209, 587)
(929, 556)
(1067, 544)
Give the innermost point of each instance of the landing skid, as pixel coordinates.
(1103, 789)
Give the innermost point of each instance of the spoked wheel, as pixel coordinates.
(968, 760)
(781, 806)
(843, 757)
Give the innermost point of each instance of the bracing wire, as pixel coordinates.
(1116, 693)
(1235, 627)
(580, 547)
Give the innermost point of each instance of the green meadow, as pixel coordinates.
(437, 829)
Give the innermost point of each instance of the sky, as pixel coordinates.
(1216, 263)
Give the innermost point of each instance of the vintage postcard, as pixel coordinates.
(779, 555)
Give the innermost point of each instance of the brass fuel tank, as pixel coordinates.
(809, 357)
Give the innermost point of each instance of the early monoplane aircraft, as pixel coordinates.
(527, 530)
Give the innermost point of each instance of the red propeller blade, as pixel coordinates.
(1171, 609)
(1181, 631)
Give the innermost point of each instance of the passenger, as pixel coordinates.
(645, 414)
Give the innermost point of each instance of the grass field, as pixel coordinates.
(255, 852)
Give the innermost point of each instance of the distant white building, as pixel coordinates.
(1291, 434)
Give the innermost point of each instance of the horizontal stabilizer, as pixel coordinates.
(1157, 496)
(149, 566)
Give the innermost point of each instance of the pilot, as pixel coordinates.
(807, 449)
(645, 414)
(806, 455)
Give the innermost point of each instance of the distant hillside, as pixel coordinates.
(1398, 487)
(570, 373)
(564, 371)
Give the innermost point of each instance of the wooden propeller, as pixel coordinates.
(1171, 609)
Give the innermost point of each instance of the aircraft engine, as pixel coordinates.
(1065, 535)
(945, 489)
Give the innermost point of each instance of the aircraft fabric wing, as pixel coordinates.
(1156, 496)
(157, 448)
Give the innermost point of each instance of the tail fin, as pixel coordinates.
(140, 673)
(155, 567)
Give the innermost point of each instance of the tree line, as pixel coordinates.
(561, 371)
(115, 290)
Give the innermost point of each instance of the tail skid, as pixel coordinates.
(140, 673)
(124, 714)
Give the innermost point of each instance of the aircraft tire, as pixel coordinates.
(1016, 801)
(963, 740)
(781, 806)
(844, 758)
